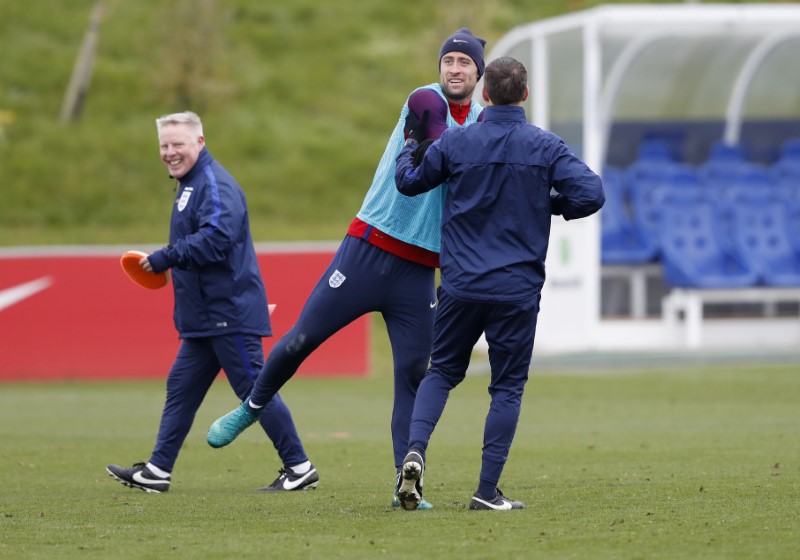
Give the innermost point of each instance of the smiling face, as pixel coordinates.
(458, 76)
(180, 148)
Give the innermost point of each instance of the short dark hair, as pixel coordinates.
(505, 80)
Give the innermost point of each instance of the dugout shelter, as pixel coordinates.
(694, 80)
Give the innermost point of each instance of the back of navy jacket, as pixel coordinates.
(498, 207)
(215, 274)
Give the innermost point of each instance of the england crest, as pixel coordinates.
(336, 279)
(184, 199)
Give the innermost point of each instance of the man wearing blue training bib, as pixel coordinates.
(385, 264)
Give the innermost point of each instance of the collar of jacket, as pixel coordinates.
(504, 113)
(203, 160)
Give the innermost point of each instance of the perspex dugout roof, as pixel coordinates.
(658, 62)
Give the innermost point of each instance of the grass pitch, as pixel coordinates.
(698, 462)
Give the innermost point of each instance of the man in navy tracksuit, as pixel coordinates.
(220, 310)
(495, 232)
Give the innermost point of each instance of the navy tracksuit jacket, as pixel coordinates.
(220, 310)
(495, 233)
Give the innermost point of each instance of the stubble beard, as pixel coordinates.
(466, 94)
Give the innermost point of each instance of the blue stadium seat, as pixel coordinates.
(622, 241)
(761, 226)
(654, 150)
(790, 190)
(726, 168)
(724, 162)
(645, 181)
(694, 251)
(655, 167)
(787, 168)
(654, 158)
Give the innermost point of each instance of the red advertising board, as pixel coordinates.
(72, 313)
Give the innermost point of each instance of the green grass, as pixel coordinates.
(298, 99)
(680, 463)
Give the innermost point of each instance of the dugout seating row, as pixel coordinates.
(726, 223)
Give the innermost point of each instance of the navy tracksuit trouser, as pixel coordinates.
(510, 330)
(198, 362)
(361, 279)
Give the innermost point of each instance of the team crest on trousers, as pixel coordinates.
(336, 279)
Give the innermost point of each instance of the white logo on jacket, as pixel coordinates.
(184, 200)
(336, 279)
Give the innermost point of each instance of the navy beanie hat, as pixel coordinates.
(464, 41)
